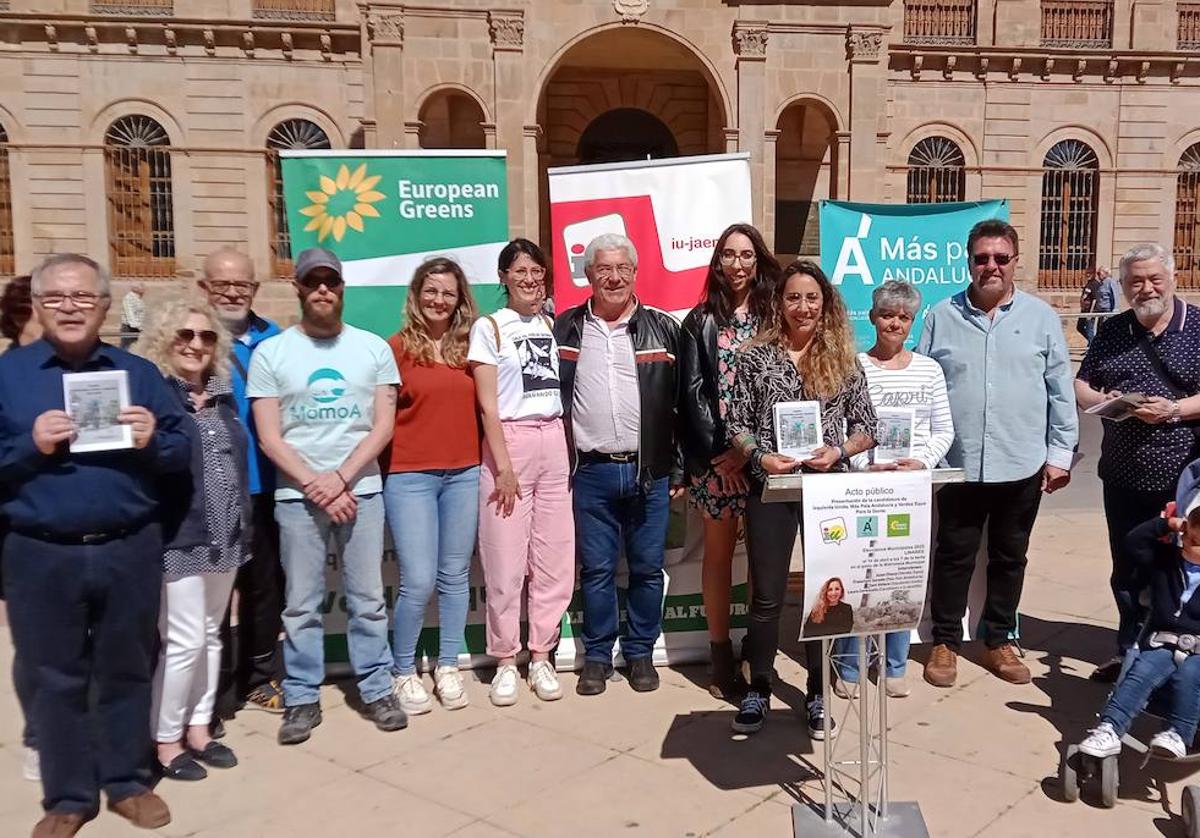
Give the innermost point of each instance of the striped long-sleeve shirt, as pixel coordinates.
(922, 387)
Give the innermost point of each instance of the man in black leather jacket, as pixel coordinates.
(621, 397)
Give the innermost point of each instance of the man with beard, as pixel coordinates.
(1152, 349)
(324, 402)
(249, 661)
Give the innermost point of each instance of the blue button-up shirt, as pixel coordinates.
(67, 494)
(260, 472)
(1010, 386)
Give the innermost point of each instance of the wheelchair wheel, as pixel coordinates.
(1069, 775)
(1191, 811)
(1108, 782)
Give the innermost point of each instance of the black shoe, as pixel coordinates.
(816, 719)
(216, 729)
(594, 678)
(643, 677)
(215, 755)
(1107, 672)
(298, 723)
(753, 712)
(386, 713)
(727, 682)
(184, 767)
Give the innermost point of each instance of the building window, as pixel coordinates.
(289, 135)
(141, 217)
(293, 9)
(1187, 219)
(1080, 24)
(1189, 26)
(936, 172)
(1070, 195)
(939, 21)
(7, 251)
(157, 8)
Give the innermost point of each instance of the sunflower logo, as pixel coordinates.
(342, 202)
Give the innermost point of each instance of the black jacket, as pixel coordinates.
(185, 524)
(838, 620)
(703, 430)
(1158, 560)
(655, 336)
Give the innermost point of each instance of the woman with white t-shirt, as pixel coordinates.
(526, 528)
(898, 379)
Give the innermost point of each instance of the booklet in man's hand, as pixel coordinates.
(1118, 409)
(94, 400)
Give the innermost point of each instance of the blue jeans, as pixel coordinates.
(306, 536)
(845, 650)
(612, 511)
(433, 516)
(1152, 669)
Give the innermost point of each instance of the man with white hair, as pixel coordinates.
(621, 396)
(1152, 349)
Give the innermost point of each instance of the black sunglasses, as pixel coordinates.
(981, 259)
(331, 281)
(207, 336)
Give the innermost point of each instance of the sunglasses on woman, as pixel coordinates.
(208, 338)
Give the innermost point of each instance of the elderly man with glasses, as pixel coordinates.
(1008, 376)
(83, 557)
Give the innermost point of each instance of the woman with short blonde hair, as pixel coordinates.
(206, 535)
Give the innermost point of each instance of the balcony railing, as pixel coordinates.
(294, 9)
(156, 8)
(1189, 26)
(939, 21)
(1081, 24)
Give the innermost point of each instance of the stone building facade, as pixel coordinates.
(140, 131)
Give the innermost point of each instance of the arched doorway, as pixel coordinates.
(805, 172)
(451, 119)
(626, 134)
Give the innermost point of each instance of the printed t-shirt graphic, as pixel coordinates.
(526, 361)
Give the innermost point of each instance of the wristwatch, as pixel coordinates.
(842, 453)
(1175, 417)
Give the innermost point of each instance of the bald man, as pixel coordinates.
(250, 666)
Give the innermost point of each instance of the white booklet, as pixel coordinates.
(894, 434)
(93, 401)
(798, 428)
(1118, 409)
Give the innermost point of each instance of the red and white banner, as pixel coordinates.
(673, 210)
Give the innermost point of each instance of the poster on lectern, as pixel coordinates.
(866, 552)
(672, 210)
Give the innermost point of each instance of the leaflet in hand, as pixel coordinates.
(894, 434)
(1118, 409)
(93, 400)
(798, 428)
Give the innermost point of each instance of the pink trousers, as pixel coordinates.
(535, 543)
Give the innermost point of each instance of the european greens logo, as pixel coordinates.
(342, 202)
(326, 387)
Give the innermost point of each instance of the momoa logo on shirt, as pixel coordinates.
(326, 387)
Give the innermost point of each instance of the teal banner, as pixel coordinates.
(865, 245)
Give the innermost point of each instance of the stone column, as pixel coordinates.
(507, 30)
(770, 142)
(385, 28)
(750, 46)
(868, 109)
(531, 199)
(841, 192)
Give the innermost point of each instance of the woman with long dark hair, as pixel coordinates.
(737, 302)
(805, 353)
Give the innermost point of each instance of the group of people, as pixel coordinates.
(551, 445)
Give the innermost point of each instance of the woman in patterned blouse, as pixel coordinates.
(806, 353)
(206, 536)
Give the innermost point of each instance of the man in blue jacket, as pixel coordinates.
(250, 668)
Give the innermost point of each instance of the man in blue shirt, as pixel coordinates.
(83, 557)
(1008, 376)
(250, 663)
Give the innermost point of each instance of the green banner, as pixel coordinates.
(384, 212)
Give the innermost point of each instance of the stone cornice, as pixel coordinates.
(1042, 63)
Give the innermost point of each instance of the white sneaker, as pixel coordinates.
(845, 689)
(898, 687)
(1102, 741)
(543, 680)
(504, 686)
(1168, 742)
(410, 692)
(448, 685)
(31, 769)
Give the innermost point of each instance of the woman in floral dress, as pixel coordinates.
(737, 299)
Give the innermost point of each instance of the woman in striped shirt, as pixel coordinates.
(898, 378)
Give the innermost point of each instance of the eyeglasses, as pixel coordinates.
(207, 337)
(437, 294)
(528, 273)
(83, 300)
(1002, 259)
(220, 286)
(746, 257)
(625, 271)
(331, 281)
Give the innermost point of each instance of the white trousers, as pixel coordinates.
(189, 622)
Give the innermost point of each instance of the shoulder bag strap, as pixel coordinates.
(1164, 375)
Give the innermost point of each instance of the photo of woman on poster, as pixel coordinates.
(829, 616)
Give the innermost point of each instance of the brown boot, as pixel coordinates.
(58, 825)
(147, 810)
(942, 668)
(1005, 665)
